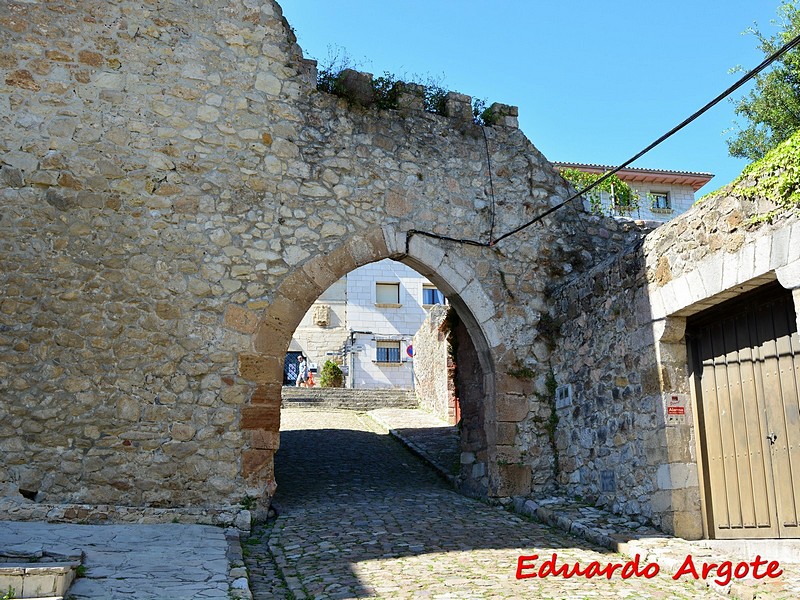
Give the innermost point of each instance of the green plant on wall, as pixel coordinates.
(776, 178)
(385, 88)
(331, 375)
(623, 199)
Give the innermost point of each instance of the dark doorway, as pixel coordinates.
(290, 368)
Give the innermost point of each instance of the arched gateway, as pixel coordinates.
(176, 193)
(264, 366)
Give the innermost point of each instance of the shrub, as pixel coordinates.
(331, 375)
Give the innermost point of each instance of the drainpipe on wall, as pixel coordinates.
(352, 359)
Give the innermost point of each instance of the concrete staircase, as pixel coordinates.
(341, 398)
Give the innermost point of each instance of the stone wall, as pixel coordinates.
(176, 194)
(434, 383)
(621, 354)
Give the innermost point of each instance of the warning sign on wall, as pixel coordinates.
(675, 409)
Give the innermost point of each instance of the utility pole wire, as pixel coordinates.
(748, 76)
(793, 43)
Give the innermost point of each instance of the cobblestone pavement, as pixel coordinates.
(359, 516)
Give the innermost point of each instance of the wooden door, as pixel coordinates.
(746, 361)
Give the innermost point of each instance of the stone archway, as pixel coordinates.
(263, 367)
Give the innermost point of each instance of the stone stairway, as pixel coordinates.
(341, 398)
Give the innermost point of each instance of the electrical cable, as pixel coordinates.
(794, 42)
(491, 183)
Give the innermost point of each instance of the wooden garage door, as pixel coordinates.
(746, 360)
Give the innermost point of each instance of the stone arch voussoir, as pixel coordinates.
(262, 367)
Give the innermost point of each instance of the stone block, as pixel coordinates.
(278, 324)
(257, 463)
(511, 408)
(357, 87)
(508, 454)
(261, 416)
(395, 241)
(779, 252)
(320, 273)
(789, 275)
(711, 271)
(240, 319)
(269, 393)
(656, 302)
(509, 384)
(300, 289)
(506, 433)
(454, 276)
(794, 243)
(492, 335)
(763, 249)
(747, 264)
(730, 270)
(458, 106)
(427, 253)
(397, 203)
(513, 480)
(684, 294)
(674, 476)
(478, 302)
(686, 525)
(410, 96)
(261, 439)
(261, 368)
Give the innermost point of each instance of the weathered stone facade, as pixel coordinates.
(622, 353)
(176, 194)
(434, 368)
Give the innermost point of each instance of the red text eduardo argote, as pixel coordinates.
(722, 572)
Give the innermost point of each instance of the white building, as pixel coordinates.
(366, 322)
(662, 194)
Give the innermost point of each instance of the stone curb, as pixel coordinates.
(415, 449)
(629, 546)
(238, 583)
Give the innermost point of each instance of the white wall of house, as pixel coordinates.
(681, 198)
(315, 339)
(387, 323)
(354, 308)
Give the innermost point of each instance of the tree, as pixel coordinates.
(772, 108)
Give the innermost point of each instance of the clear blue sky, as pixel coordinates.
(595, 81)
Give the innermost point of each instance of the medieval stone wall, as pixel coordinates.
(176, 194)
(433, 367)
(621, 354)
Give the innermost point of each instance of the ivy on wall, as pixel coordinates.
(775, 177)
(623, 199)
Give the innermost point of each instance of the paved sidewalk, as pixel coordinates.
(415, 428)
(141, 562)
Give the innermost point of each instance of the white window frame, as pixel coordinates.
(380, 299)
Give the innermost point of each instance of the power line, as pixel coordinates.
(794, 42)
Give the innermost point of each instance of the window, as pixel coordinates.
(388, 352)
(387, 293)
(430, 295)
(660, 201)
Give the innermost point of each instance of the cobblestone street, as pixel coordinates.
(360, 516)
